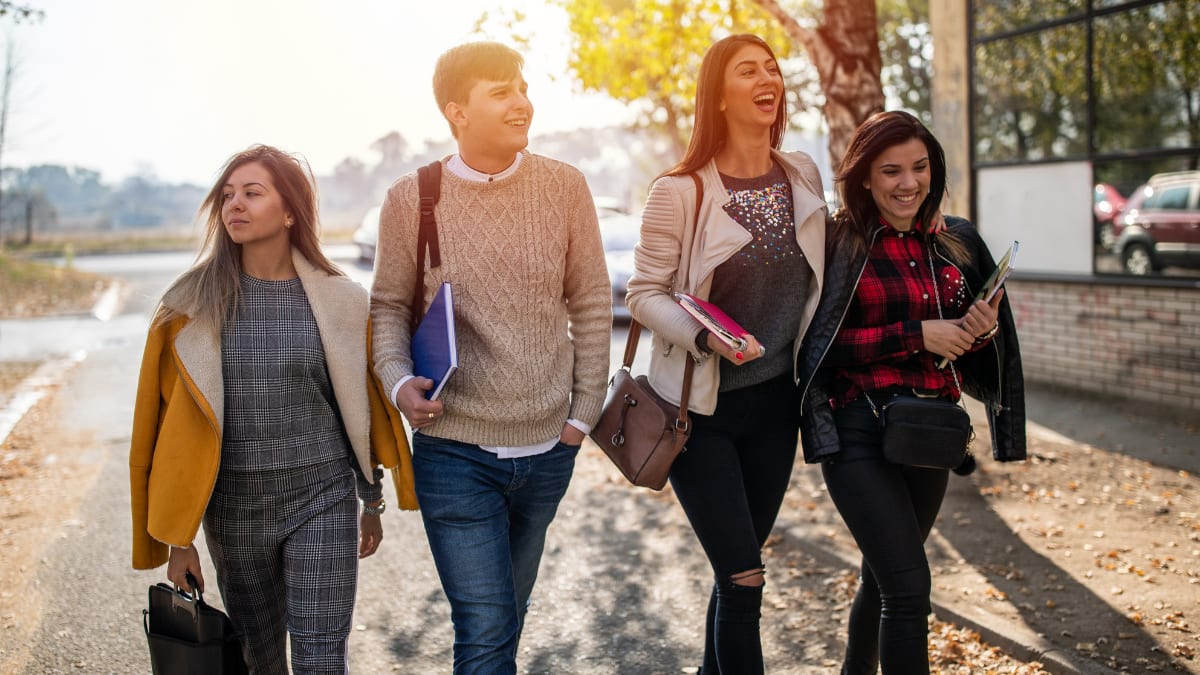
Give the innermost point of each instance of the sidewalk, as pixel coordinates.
(1085, 558)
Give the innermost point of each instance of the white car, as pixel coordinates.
(619, 232)
(367, 234)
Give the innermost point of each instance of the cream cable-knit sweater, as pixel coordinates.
(524, 257)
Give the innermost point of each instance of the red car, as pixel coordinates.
(1160, 225)
(1107, 202)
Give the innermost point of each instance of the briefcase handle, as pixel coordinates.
(180, 598)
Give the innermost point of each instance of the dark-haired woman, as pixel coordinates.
(256, 413)
(898, 299)
(757, 251)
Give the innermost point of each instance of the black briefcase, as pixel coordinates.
(188, 637)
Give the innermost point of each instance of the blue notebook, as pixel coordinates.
(434, 344)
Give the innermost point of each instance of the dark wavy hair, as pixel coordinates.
(859, 214)
(710, 131)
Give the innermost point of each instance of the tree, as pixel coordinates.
(844, 48)
(19, 12)
(393, 151)
(647, 52)
(906, 48)
(5, 97)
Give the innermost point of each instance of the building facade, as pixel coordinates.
(1073, 126)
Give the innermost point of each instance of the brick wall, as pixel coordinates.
(1135, 342)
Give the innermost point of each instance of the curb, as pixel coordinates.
(109, 302)
(33, 388)
(1015, 640)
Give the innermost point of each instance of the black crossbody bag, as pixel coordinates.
(932, 433)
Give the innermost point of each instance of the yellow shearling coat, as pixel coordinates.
(176, 445)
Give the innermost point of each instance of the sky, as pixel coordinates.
(174, 87)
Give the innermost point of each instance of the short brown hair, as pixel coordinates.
(460, 68)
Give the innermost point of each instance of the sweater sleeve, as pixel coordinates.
(589, 307)
(395, 279)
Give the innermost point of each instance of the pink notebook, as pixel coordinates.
(715, 320)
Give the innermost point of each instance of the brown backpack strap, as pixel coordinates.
(635, 332)
(429, 189)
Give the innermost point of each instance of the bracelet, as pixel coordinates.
(988, 335)
(374, 510)
(702, 342)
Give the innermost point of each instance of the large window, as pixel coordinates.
(1000, 16)
(1114, 84)
(1147, 75)
(1031, 96)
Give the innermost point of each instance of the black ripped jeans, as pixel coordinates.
(890, 510)
(730, 482)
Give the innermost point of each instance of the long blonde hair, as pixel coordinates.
(209, 290)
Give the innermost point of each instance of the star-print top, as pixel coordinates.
(764, 284)
(880, 344)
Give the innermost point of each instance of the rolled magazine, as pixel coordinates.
(711, 317)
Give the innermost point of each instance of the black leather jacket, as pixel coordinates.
(991, 374)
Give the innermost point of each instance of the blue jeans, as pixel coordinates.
(486, 521)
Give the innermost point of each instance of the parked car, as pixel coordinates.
(1160, 224)
(367, 235)
(1106, 203)
(620, 232)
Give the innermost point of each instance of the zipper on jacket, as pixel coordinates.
(994, 405)
(841, 319)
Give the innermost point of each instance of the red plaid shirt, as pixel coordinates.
(880, 344)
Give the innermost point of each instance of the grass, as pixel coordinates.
(29, 288)
(64, 245)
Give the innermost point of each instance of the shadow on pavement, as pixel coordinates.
(1047, 599)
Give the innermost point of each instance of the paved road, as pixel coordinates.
(622, 588)
(91, 600)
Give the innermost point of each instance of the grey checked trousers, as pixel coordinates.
(286, 551)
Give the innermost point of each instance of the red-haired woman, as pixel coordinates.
(757, 251)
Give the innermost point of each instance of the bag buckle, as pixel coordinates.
(618, 438)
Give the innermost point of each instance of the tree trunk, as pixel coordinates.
(29, 222)
(5, 95)
(845, 51)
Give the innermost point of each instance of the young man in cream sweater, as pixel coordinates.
(520, 246)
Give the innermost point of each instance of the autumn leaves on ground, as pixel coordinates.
(1096, 552)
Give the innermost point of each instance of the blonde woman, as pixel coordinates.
(256, 414)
